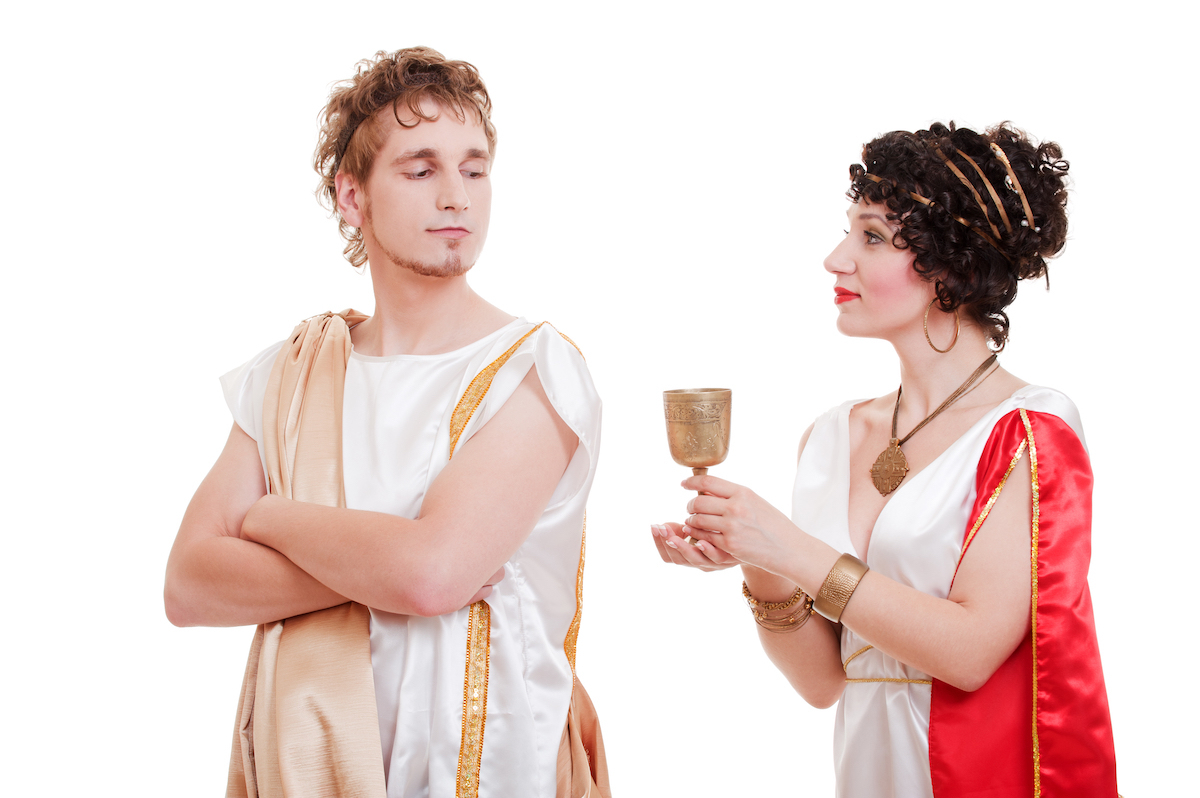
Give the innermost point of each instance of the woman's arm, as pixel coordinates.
(960, 640)
(809, 657)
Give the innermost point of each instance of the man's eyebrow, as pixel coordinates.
(429, 152)
(413, 155)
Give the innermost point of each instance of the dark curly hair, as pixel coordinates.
(954, 238)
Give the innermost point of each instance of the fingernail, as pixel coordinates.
(671, 543)
(700, 545)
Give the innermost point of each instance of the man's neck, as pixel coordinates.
(418, 315)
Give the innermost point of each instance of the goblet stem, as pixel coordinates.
(699, 472)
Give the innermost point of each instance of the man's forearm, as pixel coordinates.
(384, 561)
(474, 516)
(226, 581)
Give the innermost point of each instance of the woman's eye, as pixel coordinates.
(873, 238)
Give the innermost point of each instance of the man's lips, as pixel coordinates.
(842, 295)
(450, 232)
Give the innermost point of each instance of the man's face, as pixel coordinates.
(426, 204)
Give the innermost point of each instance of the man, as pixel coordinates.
(430, 463)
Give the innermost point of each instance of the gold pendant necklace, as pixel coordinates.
(891, 466)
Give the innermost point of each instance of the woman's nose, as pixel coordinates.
(839, 261)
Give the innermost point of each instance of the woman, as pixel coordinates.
(940, 534)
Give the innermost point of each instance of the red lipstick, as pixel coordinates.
(842, 295)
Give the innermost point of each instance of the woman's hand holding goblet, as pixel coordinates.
(669, 540)
(739, 524)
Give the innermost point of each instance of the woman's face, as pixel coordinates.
(878, 293)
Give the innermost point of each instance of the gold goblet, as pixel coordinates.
(698, 426)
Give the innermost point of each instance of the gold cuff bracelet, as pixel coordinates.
(839, 585)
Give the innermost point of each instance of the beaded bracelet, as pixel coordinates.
(784, 623)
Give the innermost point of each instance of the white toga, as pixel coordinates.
(396, 439)
(881, 737)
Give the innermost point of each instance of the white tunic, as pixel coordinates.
(881, 736)
(395, 430)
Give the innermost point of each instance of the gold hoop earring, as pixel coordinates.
(953, 341)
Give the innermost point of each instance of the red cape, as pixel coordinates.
(1034, 731)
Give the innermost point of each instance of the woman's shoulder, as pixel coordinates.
(826, 428)
(1050, 401)
(839, 411)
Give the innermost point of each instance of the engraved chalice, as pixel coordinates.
(698, 426)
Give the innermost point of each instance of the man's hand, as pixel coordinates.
(486, 590)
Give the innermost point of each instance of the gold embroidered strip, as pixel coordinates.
(475, 687)
(850, 659)
(568, 340)
(479, 624)
(1033, 577)
(471, 398)
(987, 508)
(572, 639)
(891, 681)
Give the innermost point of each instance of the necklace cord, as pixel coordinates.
(951, 399)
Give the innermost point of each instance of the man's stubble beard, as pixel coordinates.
(451, 267)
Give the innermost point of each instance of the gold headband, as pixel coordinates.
(978, 199)
(991, 191)
(1016, 185)
(931, 203)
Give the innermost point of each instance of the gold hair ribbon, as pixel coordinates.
(991, 190)
(963, 179)
(926, 201)
(1016, 184)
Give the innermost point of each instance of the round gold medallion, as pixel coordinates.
(889, 469)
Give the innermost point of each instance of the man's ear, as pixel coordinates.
(350, 199)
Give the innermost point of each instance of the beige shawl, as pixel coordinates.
(307, 723)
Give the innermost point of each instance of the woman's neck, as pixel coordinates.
(928, 377)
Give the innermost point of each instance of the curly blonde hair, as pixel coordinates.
(352, 130)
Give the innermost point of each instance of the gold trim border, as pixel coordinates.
(572, 639)
(890, 681)
(475, 688)
(479, 623)
(469, 402)
(987, 508)
(1033, 577)
(850, 658)
(1035, 512)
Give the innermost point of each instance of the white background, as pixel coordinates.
(669, 178)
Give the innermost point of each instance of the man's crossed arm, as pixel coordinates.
(245, 557)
